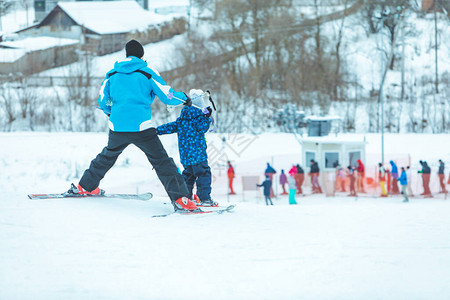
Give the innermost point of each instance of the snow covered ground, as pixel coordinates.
(158, 55)
(323, 248)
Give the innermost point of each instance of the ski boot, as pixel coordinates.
(80, 191)
(183, 204)
(205, 203)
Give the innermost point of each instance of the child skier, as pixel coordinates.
(292, 185)
(191, 126)
(267, 184)
(126, 96)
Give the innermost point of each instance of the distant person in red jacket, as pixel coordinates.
(299, 178)
(230, 174)
(382, 179)
(283, 181)
(314, 173)
(351, 176)
(441, 174)
(360, 178)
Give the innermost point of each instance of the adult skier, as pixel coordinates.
(270, 171)
(404, 183)
(360, 178)
(126, 96)
(230, 173)
(283, 181)
(299, 178)
(409, 181)
(314, 173)
(382, 179)
(426, 174)
(351, 176)
(394, 174)
(441, 174)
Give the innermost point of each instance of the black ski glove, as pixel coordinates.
(188, 101)
(207, 111)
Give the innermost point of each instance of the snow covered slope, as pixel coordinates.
(323, 248)
(320, 249)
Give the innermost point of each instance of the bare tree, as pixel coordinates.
(5, 7)
(8, 104)
(80, 100)
(27, 98)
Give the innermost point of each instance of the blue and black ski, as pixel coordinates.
(199, 211)
(143, 197)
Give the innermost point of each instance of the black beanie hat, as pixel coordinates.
(134, 48)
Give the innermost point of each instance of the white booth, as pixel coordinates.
(330, 150)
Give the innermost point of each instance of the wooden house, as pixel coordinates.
(105, 26)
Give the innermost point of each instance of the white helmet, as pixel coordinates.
(197, 98)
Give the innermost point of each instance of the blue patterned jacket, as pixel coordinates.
(191, 127)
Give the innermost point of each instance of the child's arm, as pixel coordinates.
(202, 124)
(167, 128)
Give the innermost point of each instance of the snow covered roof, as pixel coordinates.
(323, 118)
(17, 49)
(336, 139)
(11, 55)
(107, 17)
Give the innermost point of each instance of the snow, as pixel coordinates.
(20, 47)
(158, 55)
(11, 55)
(16, 20)
(39, 43)
(323, 248)
(112, 16)
(168, 3)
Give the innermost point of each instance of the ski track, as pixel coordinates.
(113, 249)
(323, 248)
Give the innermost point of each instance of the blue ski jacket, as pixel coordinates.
(394, 170)
(403, 178)
(270, 169)
(267, 184)
(128, 91)
(191, 126)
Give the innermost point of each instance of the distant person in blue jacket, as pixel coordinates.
(270, 171)
(191, 126)
(404, 183)
(126, 96)
(394, 174)
(267, 184)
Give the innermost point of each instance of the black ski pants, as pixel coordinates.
(200, 174)
(150, 144)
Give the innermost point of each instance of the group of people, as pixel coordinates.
(126, 95)
(293, 179)
(355, 175)
(389, 180)
(294, 182)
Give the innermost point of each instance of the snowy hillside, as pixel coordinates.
(341, 247)
(322, 248)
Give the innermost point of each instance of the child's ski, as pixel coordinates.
(143, 197)
(199, 212)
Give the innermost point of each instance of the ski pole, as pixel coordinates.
(198, 96)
